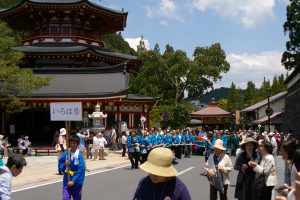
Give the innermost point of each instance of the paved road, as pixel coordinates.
(121, 182)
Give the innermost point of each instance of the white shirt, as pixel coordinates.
(268, 167)
(124, 139)
(21, 144)
(99, 142)
(5, 183)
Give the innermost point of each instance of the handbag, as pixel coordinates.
(217, 182)
(260, 183)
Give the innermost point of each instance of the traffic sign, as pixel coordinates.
(269, 111)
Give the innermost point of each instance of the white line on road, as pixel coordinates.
(52, 182)
(186, 170)
(89, 174)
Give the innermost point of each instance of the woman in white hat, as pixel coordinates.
(161, 183)
(218, 164)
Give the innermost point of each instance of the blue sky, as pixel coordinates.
(249, 31)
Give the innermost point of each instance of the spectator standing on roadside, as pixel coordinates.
(27, 144)
(124, 142)
(113, 138)
(61, 145)
(21, 145)
(244, 189)
(13, 167)
(81, 145)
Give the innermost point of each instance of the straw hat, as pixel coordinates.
(159, 163)
(248, 140)
(219, 145)
(62, 131)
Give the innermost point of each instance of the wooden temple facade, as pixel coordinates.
(211, 117)
(63, 39)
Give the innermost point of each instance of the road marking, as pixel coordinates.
(186, 170)
(89, 174)
(52, 182)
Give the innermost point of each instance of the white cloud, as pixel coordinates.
(134, 42)
(252, 67)
(164, 23)
(165, 9)
(250, 13)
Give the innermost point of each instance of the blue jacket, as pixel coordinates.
(186, 139)
(131, 141)
(79, 170)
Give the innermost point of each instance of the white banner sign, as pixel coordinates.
(66, 111)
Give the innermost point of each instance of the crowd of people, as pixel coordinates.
(255, 160)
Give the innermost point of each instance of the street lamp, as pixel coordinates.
(269, 111)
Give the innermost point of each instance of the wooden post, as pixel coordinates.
(67, 123)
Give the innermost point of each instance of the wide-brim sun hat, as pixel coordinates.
(159, 163)
(249, 140)
(219, 145)
(62, 131)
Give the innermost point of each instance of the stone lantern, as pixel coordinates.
(97, 118)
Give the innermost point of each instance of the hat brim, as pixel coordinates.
(158, 170)
(254, 143)
(218, 147)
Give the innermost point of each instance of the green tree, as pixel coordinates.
(114, 42)
(8, 3)
(170, 74)
(235, 99)
(291, 57)
(15, 82)
(251, 94)
(223, 103)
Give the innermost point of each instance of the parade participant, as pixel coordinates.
(13, 167)
(76, 170)
(177, 144)
(188, 139)
(133, 144)
(218, 164)
(244, 189)
(267, 168)
(145, 146)
(161, 182)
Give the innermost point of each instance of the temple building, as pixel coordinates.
(63, 39)
(211, 117)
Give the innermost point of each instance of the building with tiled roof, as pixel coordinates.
(63, 39)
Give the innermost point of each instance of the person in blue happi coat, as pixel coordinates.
(177, 144)
(188, 139)
(145, 147)
(133, 144)
(75, 163)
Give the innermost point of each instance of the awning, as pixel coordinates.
(265, 119)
